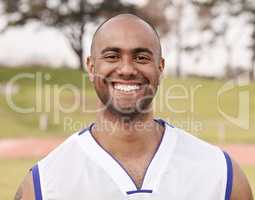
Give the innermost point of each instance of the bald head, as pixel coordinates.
(126, 23)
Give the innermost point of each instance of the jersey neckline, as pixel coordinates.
(117, 172)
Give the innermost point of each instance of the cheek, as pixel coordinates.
(152, 74)
(104, 68)
(100, 83)
(102, 71)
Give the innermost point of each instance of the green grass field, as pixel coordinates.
(13, 171)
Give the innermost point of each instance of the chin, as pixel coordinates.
(127, 112)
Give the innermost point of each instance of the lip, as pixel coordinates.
(126, 82)
(141, 85)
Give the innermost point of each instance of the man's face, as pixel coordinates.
(125, 66)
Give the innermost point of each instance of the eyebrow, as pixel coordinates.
(133, 51)
(141, 50)
(116, 49)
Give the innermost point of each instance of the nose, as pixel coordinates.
(126, 68)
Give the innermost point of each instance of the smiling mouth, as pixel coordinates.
(125, 87)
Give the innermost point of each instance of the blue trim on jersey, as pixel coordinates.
(113, 158)
(37, 183)
(139, 191)
(86, 129)
(163, 123)
(160, 121)
(229, 176)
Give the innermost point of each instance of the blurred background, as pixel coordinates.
(208, 87)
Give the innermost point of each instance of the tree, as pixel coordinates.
(178, 29)
(155, 13)
(234, 8)
(69, 16)
(249, 7)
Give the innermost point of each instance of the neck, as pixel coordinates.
(124, 136)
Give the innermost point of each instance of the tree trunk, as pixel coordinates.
(179, 7)
(81, 60)
(228, 69)
(252, 71)
(76, 41)
(81, 52)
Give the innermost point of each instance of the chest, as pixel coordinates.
(136, 168)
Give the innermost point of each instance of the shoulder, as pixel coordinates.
(26, 189)
(70, 151)
(196, 149)
(199, 151)
(241, 188)
(60, 157)
(66, 149)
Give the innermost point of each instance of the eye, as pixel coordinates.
(142, 59)
(111, 57)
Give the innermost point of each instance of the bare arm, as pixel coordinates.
(26, 189)
(241, 188)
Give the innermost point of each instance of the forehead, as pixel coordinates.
(126, 34)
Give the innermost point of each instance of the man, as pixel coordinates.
(126, 153)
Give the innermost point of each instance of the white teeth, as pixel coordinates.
(125, 87)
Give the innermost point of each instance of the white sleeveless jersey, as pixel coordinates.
(183, 168)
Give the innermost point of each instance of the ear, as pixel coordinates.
(161, 65)
(90, 68)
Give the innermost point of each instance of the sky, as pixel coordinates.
(32, 44)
